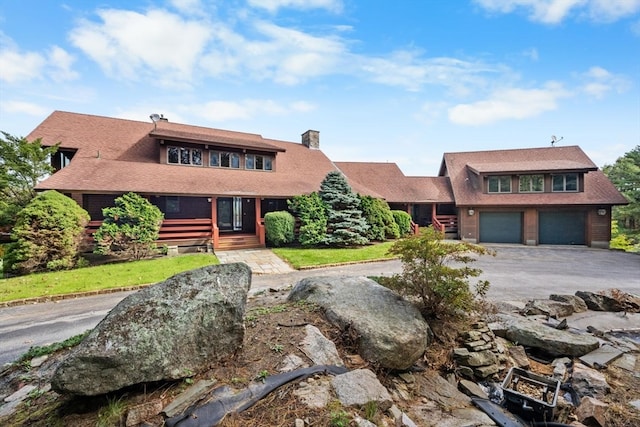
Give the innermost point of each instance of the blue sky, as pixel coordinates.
(400, 81)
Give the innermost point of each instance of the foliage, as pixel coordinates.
(313, 218)
(314, 257)
(38, 351)
(107, 276)
(403, 219)
(112, 414)
(279, 227)
(620, 240)
(437, 272)
(382, 225)
(625, 175)
(47, 234)
(22, 164)
(345, 224)
(130, 228)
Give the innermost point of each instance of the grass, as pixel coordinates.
(317, 257)
(106, 276)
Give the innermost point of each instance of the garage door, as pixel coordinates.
(501, 227)
(561, 228)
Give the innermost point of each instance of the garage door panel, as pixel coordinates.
(561, 228)
(501, 227)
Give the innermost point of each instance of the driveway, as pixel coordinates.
(515, 273)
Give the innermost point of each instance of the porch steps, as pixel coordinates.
(238, 241)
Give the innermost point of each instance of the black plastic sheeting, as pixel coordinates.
(226, 400)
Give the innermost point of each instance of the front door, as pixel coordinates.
(236, 214)
(225, 213)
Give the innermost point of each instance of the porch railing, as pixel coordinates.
(445, 223)
(172, 229)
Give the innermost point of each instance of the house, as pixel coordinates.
(214, 186)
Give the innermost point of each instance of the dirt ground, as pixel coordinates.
(274, 328)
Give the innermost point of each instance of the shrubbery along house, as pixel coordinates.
(214, 186)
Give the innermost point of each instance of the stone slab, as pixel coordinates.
(601, 356)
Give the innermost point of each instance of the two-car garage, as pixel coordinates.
(554, 227)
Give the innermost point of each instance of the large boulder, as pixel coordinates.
(554, 342)
(600, 302)
(550, 308)
(389, 330)
(171, 330)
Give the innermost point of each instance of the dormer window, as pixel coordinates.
(567, 182)
(224, 159)
(531, 183)
(184, 156)
(257, 162)
(499, 184)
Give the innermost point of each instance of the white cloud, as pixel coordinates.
(22, 107)
(555, 11)
(17, 66)
(598, 82)
(532, 54)
(158, 46)
(274, 5)
(221, 111)
(60, 63)
(508, 104)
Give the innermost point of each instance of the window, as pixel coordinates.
(223, 159)
(499, 184)
(531, 183)
(184, 156)
(173, 204)
(258, 162)
(565, 182)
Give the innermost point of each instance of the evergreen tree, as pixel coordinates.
(345, 224)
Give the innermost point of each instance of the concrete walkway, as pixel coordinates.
(261, 261)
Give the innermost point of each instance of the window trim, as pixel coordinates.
(564, 182)
(191, 157)
(499, 178)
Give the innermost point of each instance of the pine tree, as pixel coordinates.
(345, 224)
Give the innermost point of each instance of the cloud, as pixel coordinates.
(22, 107)
(17, 66)
(222, 111)
(274, 5)
(157, 46)
(555, 11)
(598, 82)
(60, 63)
(508, 104)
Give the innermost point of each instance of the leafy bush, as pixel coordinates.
(47, 235)
(437, 272)
(313, 218)
(380, 219)
(345, 225)
(130, 228)
(403, 220)
(279, 227)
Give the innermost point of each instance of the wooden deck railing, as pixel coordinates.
(445, 223)
(172, 229)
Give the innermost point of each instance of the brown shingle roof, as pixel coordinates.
(387, 180)
(463, 169)
(116, 155)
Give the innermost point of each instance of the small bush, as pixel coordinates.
(382, 225)
(313, 218)
(403, 220)
(47, 235)
(130, 228)
(437, 272)
(279, 227)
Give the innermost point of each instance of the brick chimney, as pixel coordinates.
(311, 139)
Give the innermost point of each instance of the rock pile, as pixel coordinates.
(481, 357)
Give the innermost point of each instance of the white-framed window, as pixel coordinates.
(531, 183)
(567, 182)
(258, 162)
(184, 156)
(499, 184)
(224, 159)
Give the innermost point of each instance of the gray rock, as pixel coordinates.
(519, 356)
(601, 357)
(315, 394)
(589, 382)
(359, 387)
(598, 302)
(472, 389)
(481, 358)
(434, 388)
(548, 308)
(555, 342)
(171, 330)
(389, 330)
(318, 348)
(576, 302)
(592, 412)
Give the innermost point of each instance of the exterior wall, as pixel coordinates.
(468, 225)
(530, 227)
(599, 227)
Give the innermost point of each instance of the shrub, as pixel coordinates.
(47, 235)
(345, 225)
(403, 220)
(313, 218)
(279, 227)
(130, 228)
(382, 225)
(437, 272)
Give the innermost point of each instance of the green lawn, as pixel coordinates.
(305, 258)
(101, 277)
